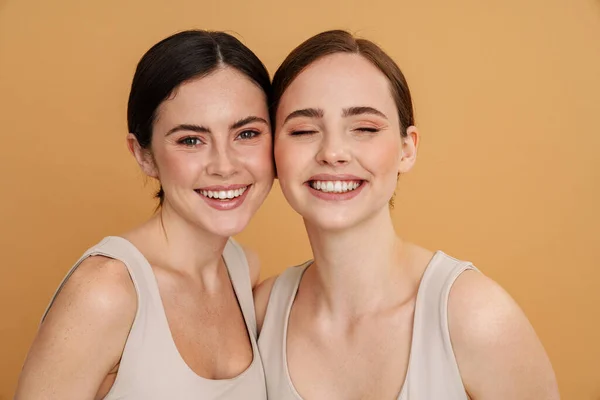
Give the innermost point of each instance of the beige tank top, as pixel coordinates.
(151, 366)
(432, 369)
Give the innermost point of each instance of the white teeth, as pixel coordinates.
(223, 194)
(334, 186)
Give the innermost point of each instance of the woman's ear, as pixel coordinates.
(142, 156)
(410, 144)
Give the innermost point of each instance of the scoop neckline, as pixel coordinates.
(418, 305)
(163, 315)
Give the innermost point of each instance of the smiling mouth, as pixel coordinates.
(335, 186)
(223, 195)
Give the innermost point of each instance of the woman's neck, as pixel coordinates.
(169, 241)
(359, 270)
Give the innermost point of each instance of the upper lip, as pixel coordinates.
(223, 187)
(330, 177)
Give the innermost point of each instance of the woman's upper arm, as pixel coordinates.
(83, 335)
(498, 352)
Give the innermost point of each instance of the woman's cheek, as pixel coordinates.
(260, 159)
(383, 156)
(285, 159)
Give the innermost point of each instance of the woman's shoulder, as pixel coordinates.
(262, 292)
(496, 348)
(89, 319)
(479, 310)
(99, 285)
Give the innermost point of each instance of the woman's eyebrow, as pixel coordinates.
(188, 127)
(352, 111)
(305, 112)
(247, 120)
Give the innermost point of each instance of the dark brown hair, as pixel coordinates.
(339, 41)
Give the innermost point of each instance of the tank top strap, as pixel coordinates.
(433, 371)
(122, 250)
(151, 366)
(281, 298)
(239, 274)
(273, 334)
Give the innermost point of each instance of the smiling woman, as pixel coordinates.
(248, 130)
(373, 316)
(165, 310)
(209, 126)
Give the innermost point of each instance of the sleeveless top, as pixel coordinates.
(151, 366)
(432, 372)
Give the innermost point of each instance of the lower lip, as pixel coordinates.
(336, 196)
(225, 205)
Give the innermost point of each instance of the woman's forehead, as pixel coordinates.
(338, 81)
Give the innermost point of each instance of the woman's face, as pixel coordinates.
(212, 151)
(338, 147)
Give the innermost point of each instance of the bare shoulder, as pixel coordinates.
(498, 352)
(476, 301)
(98, 285)
(262, 293)
(253, 264)
(84, 333)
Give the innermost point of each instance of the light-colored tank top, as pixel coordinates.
(151, 366)
(432, 369)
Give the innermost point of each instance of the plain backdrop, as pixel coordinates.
(507, 97)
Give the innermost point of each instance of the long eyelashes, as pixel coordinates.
(190, 141)
(299, 133)
(310, 132)
(194, 141)
(248, 134)
(367, 129)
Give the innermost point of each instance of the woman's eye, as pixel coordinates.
(367, 129)
(300, 133)
(245, 135)
(190, 141)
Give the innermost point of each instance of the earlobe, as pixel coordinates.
(142, 156)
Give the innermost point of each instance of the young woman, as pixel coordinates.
(373, 316)
(165, 310)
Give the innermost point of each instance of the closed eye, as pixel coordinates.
(190, 141)
(367, 129)
(300, 133)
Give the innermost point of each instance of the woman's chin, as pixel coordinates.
(226, 227)
(330, 222)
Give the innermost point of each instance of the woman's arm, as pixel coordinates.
(83, 335)
(498, 352)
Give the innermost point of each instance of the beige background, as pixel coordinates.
(507, 99)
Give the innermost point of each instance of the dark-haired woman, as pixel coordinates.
(165, 310)
(373, 316)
